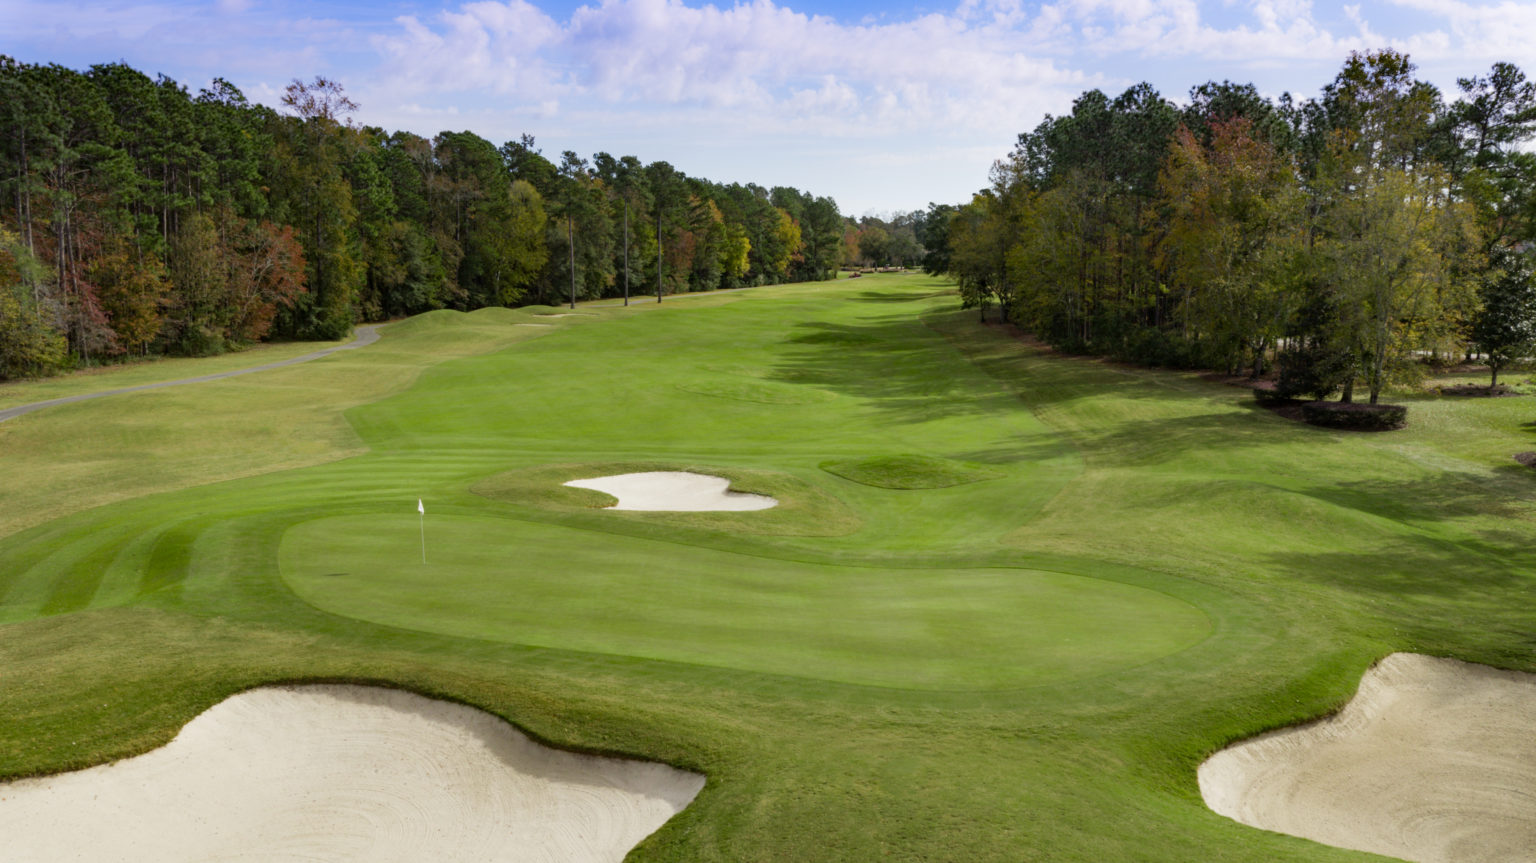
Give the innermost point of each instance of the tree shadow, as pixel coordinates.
(1488, 568)
(1439, 497)
(886, 361)
(890, 362)
(1469, 545)
(1161, 439)
(897, 296)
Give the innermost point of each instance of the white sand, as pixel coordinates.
(1432, 760)
(328, 773)
(674, 491)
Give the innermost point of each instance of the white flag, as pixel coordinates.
(420, 507)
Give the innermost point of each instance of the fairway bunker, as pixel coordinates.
(1432, 760)
(674, 491)
(332, 772)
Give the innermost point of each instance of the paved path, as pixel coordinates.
(365, 336)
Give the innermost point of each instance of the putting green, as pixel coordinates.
(549, 586)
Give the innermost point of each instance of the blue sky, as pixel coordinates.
(885, 107)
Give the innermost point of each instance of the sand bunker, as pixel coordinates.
(674, 491)
(344, 773)
(1432, 760)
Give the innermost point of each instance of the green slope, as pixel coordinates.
(1085, 578)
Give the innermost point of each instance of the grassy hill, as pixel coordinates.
(1009, 602)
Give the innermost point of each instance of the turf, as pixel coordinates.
(1027, 666)
(503, 580)
(909, 471)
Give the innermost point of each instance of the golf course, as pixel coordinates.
(1005, 605)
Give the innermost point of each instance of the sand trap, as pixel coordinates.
(674, 491)
(343, 773)
(1432, 760)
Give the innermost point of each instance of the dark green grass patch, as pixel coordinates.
(910, 471)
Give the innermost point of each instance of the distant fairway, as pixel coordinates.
(1008, 603)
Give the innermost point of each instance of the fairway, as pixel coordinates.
(1006, 605)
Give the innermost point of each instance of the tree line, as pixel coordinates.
(138, 218)
(1339, 241)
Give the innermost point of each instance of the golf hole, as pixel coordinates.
(1432, 760)
(674, 491)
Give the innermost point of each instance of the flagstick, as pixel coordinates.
(423, 512)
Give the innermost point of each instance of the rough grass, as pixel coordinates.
(136, 372)
(998, 670)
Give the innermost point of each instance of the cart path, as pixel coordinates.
(364, 336)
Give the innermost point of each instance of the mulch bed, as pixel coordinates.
(1286, 410)
(1478, 391)
(1526, 458)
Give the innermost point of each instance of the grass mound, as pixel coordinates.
(910, 471)
(427, 322)
(498, 314)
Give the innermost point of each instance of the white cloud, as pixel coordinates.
(751, 61)
(698, 76)
(1500, 31)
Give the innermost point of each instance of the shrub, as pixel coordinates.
(1314, 370)
(1355, 417)
(1267, 394)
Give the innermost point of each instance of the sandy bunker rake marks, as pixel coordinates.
(1431, 761)
(329, 772)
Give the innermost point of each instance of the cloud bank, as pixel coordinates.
(759, 88)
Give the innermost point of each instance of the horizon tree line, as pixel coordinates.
(138, 218)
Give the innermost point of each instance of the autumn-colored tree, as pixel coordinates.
(981, 235)
(787, 235)
(735, 253)
(874, 245)
(1234, 229)
(313, 194)
(265, 266)
(29, 343)
(133, 288)
(107, 173)
(1389, 246)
